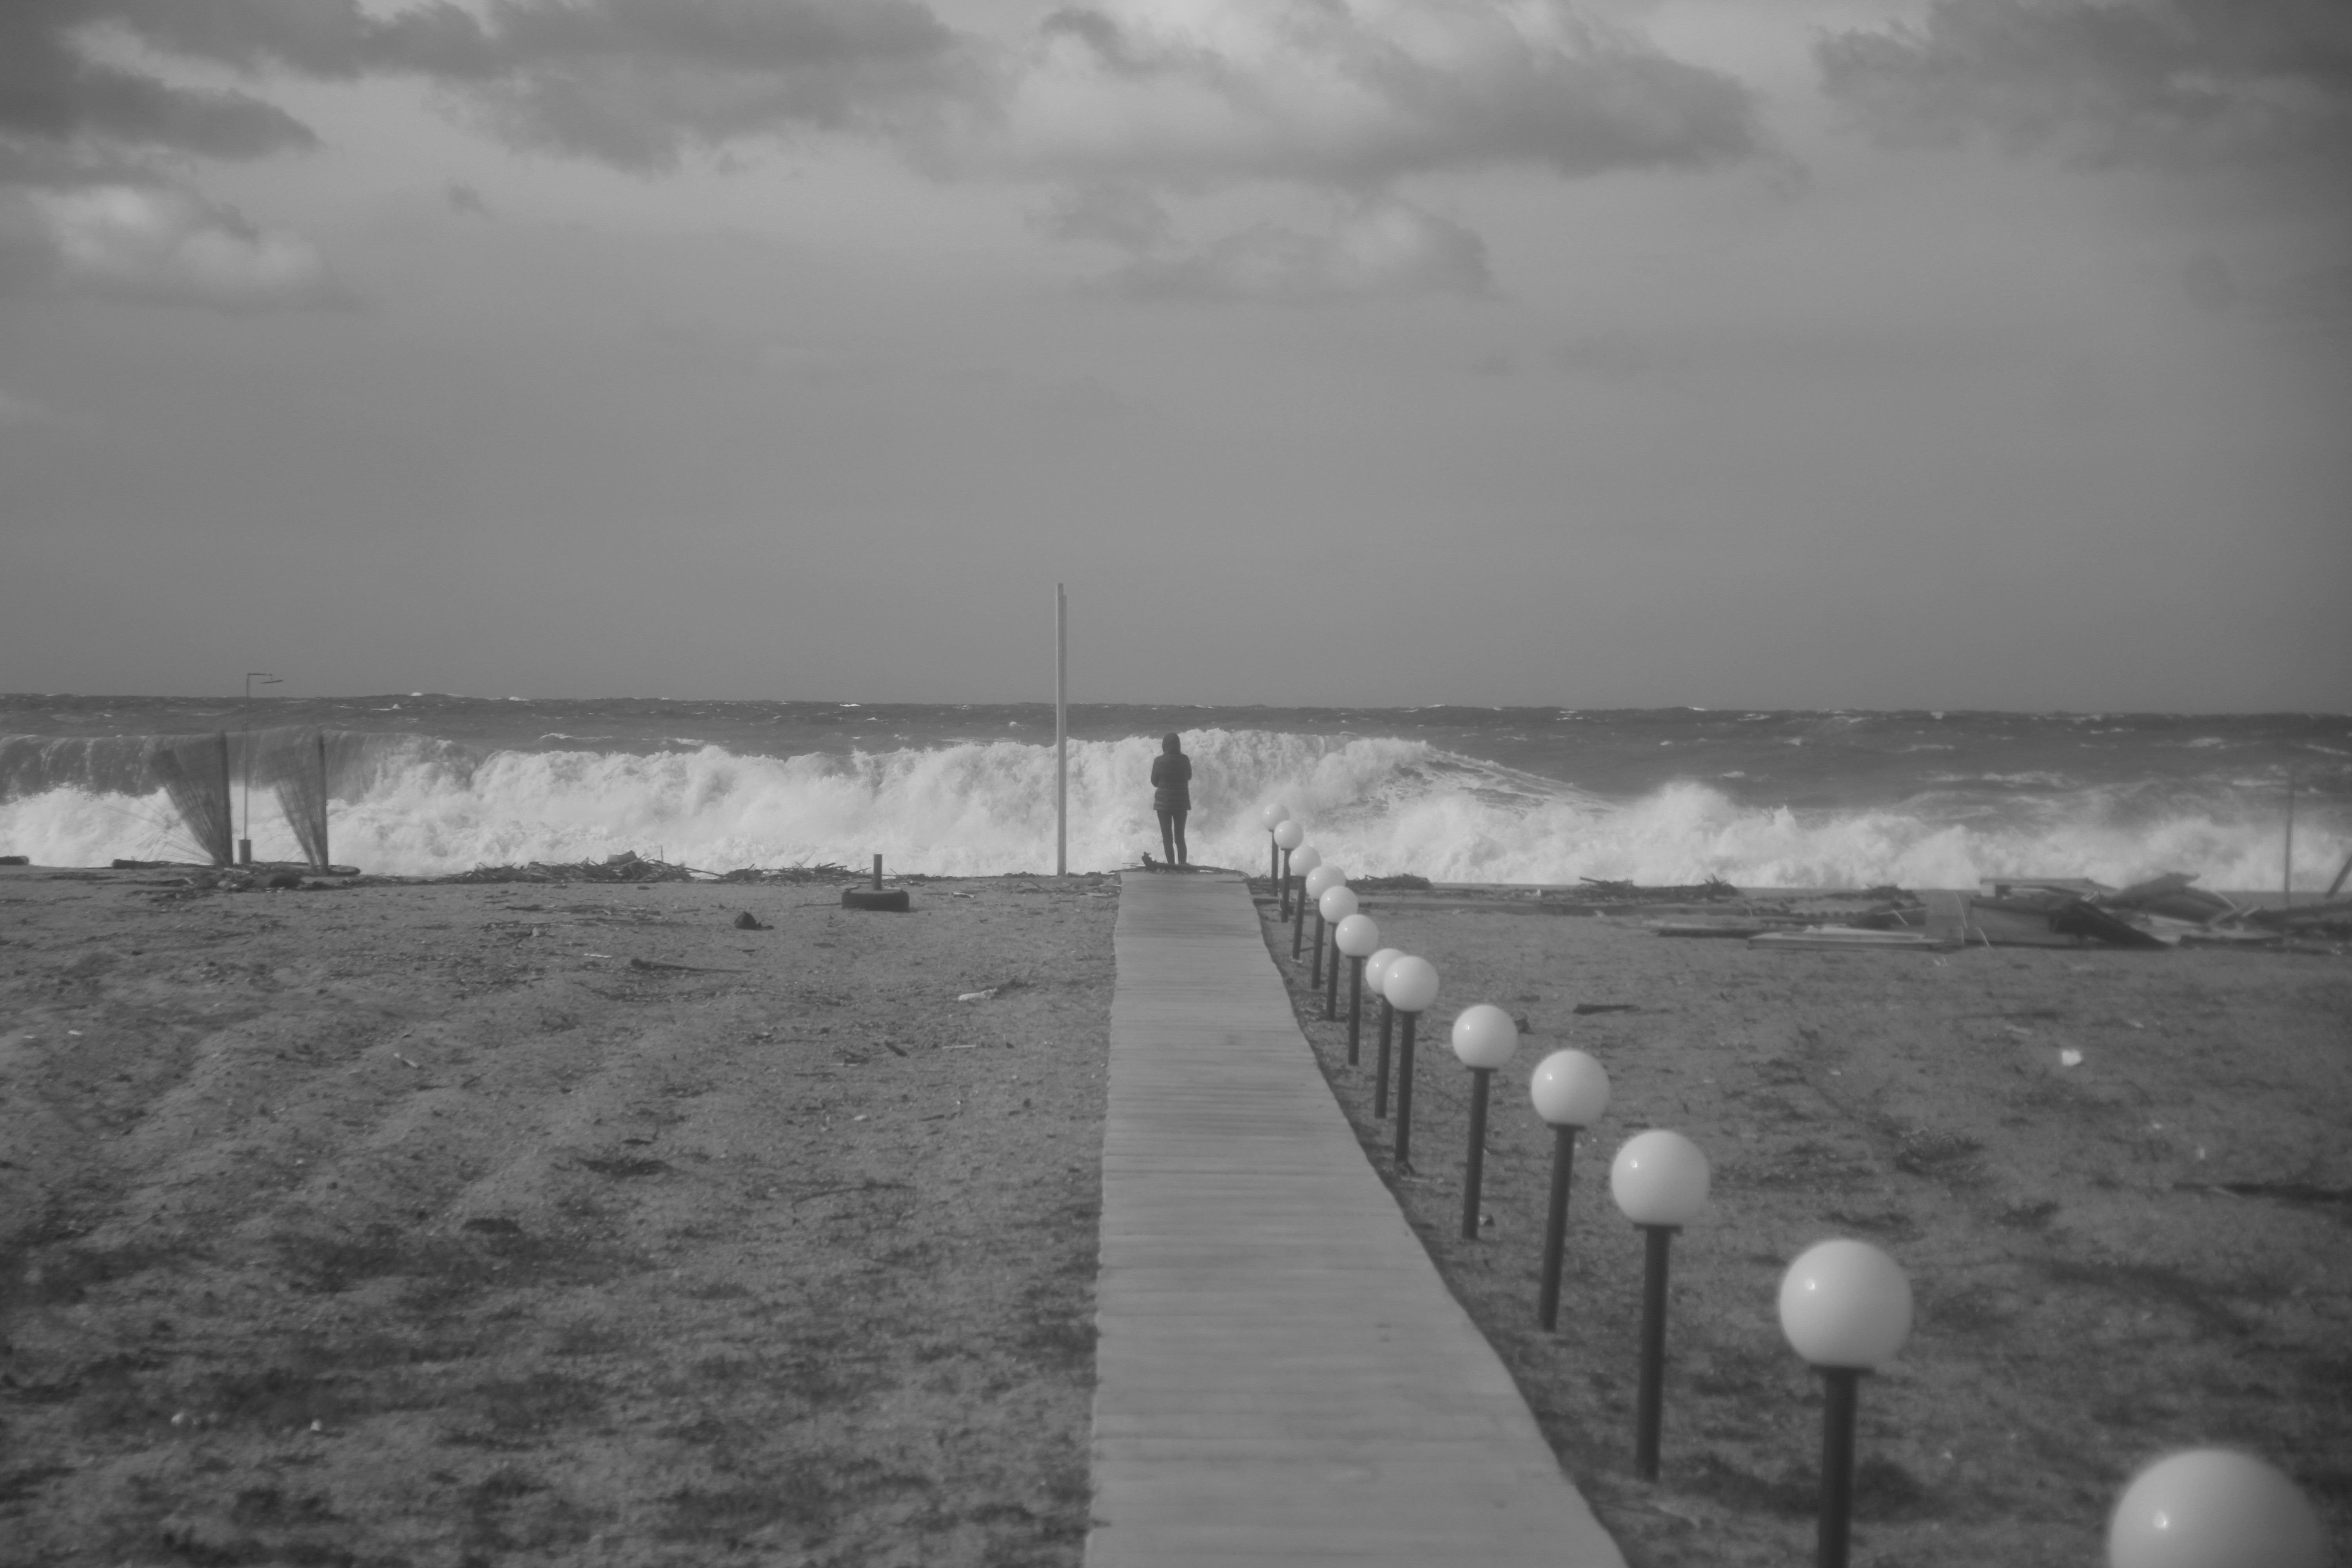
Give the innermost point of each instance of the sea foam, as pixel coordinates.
(1373, 805)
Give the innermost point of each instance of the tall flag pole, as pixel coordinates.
(1061, 732)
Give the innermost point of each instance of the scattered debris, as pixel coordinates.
(682, 968)
(2070, 1058)
(1583, 1008)
(747, 920)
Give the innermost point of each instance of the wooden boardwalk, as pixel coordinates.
(1281, 1377)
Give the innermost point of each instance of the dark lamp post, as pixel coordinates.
(1409, 984)
(1376, 970)
(1272, 816)
(1846, 1307)
(1337, 904)
(1358, 938)
(1287, 838)
(1320, 881)
(1659, 1179)
(1484, 1036)
(1304, 861)
(1571, 1091)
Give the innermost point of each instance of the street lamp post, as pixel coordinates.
(245, 845)
(1303, 863)
(1358, 937)
(1571, 1091)
(1659, 1179)
(1484, 1036)
(1846, 1307)
(1337, 905)
(1411, 984)
(1273, 814)
(1287, 837)
(1376, 969)
(1320, 881)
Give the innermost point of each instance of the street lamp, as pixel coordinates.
(245, 845)
(2211, 1508)
(1846, 1307)
(1571, 1091)
(1287, 836)
(1320, 881)
(1484, 1037)
(1659, 1179)
(1303, 863)
(1359, 938)
(1409, 984)
(1376, 969)
(1273, 816)
(1337, 904)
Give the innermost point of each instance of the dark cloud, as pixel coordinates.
(1326, 93)
(633, 82)
(2109, 81)
(53, 93)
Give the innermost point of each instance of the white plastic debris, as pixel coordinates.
(977, 995)
(2070, 1058)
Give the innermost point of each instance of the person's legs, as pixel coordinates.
(1183, 855)
(1169, 833)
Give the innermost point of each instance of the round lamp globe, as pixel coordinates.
(1409, 984)
(1570, 1089)
(1359, 937)
(1484, 1035)
(1288, 835)
(1273, 814)
(1304, 860)
(1338, 902)
(1845, 1304)
(1659, 1178)
(2211, 1508)
(1322, 877)
(1378, 964)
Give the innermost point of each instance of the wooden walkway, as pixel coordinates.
(1281, 1377)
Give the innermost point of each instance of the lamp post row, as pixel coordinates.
(1844, 1305)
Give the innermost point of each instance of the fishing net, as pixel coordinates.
(293, 763)
(193, 771)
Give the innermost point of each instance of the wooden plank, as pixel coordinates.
(1281, 1375)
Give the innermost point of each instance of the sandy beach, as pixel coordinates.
(2142, 1251)
(506, 1223)
(435, 1225)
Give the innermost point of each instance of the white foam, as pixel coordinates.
(1373, 805)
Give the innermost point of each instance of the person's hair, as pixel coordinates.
(1171, 744)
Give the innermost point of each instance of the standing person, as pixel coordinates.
(1172, 797)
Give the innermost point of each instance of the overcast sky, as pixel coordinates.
(1786, 352)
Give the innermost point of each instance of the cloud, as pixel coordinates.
(1382, 248)
(2105, 82)
(1109, 212)
(1357, 92)
(52, 91)
(167, 245)
(1326, 93)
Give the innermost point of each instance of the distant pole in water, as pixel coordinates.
(1061, 732)
(245, 744)
(2286, 869)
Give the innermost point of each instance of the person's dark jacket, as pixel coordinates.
(1172, 782)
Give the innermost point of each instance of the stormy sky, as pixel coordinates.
(1728, 353)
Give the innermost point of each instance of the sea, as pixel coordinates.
(423, 783)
